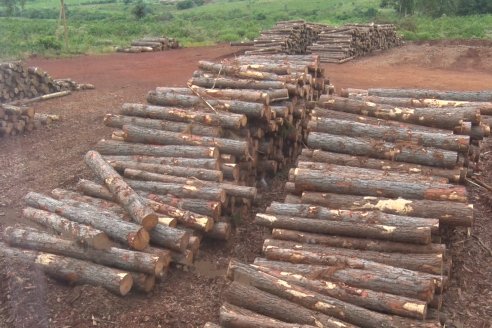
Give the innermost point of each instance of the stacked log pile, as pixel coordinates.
(151, 44)
(350, 41)
(357, 241)
(15, 120)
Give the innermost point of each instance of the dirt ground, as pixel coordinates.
(52, 157)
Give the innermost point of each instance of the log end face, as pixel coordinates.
(101, 241)
(139, 240)
(126, 283)
(149, 221)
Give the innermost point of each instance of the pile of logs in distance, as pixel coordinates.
(357, 242)
(176, 171)
(16, 120)
(151, 44)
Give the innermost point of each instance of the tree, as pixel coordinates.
(10, 6)
(139, 10)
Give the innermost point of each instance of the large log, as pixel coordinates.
(365, 186)
(203, 163)
(82, 233)
(128, 233)
(240, 71)
(72, 270)
(414, 235)
(224, 82)
(320, 157)
(113, 256)
(113, 147)
(139, 134)
(123, 193)
(448, 213)
(434, 94)
(390, 281)
(220, 119)
(276, 307)
(357, 243)
(400, 152)
(389, 134)
(318, 302)
(117, 121)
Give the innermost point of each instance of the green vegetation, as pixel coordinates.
(32, 26)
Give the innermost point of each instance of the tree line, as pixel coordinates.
(438, 8)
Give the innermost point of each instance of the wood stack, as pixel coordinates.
(15, 120)
(289, 37)
(151, 44)
(355, 40)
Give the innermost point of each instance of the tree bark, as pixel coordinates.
(400, 152)
(73, 270)
(201, 163)
(123, 193)
(485, 96)
(113, 256)
(366, 186)
(143, 135)
(448, 213)
(117, 121)
(220, 119)
(172, 238)
(113, 147)
(128, 233)
(82, 233)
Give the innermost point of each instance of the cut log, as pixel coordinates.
(82, 233)
(220, 231)
(172, 238)
(232, 94)
(203, 163)
(220, 119)
(139, 134)
(123, 193)
(113, 147)
(73, 270)
(448, 213)
(142, 282)
(224, 82)
(113, 256)
(128, 233)
(433, 94)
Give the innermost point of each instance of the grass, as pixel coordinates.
(98, 25)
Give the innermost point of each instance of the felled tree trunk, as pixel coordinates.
(433, 94)
(201, 163)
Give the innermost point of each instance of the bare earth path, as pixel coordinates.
(52, 157)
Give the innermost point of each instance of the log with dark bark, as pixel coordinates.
(113, 256)
(433, 94)
(203, 163)
(72, 270)
(448, 213)
(414, 235)
(128, 233)
(365, 186)
(123, 193)
(82, 233)
(113, 147)
(220, 119)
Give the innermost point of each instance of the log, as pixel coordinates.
(357, 243)
(203, 163)
(123, 193)
(448, 213)
(127, 233)
(241, 71)
(83, 234)
(142, 282)
(225, 82)
(485, 96)
(220, 119)
(184, 258)
(72, 270)
(113, 147)
(220, 231)
(389, 281)
(318, 302)
(276, 307)
(172, 238)
(144, 135)
(231, 94)
(117, 121)
(374, 148)
(112, 256)
(365, 186)
(414, 235)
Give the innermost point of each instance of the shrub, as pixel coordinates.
(48, 43)
(186, 4)
(139, 10)
(199, 2)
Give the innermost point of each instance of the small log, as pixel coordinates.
(73, 270)
(172, 238)
(485, 96)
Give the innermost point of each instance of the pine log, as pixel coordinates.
(243, 72)
(232, 94)
(144, 135)
(220, 119)
(276, 307)
(117, 121)
(224, 82)
(203, 163)
(123, 193)
(72, 270)
(338, 183)
(82, 233)
(113, 147)
(400, 152)
(448, 213)
(433, 94)
(113, 256)
(128, 233)
(357, 243)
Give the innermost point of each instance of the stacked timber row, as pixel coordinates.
(357, 242)
(350, 41)
(15, 120)
(151, 44)
(288, 37)
(19, 82)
